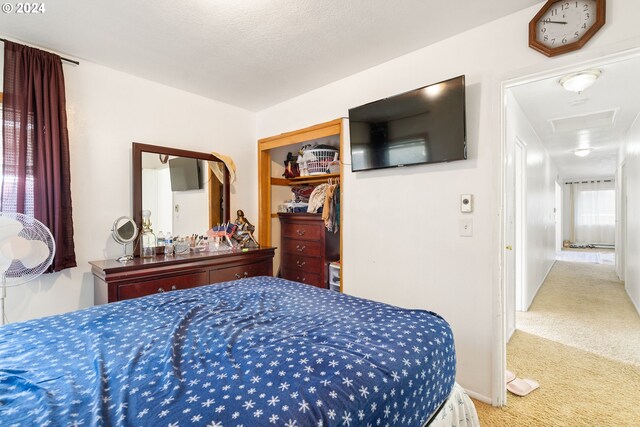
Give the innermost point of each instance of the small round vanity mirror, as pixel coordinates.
(124, 231)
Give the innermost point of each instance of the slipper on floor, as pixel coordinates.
(522, 386)
(509, 376)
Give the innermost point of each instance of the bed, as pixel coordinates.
(257, 351)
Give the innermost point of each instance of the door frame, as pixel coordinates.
(621, 222)
(499, 362)
(559, 212)
(520, 221)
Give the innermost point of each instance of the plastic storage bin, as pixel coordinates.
(334, 276)
(316, 161)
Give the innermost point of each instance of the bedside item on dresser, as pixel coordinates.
(148, 240)
(307, 248)
(221, 233)
(180, 247)
(244, 232)
(168, 244)
(124, 231)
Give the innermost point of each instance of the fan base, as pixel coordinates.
(125, 258)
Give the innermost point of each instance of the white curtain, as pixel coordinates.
(594, 216)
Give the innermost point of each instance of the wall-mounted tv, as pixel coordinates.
(185, 174)
(425, 125)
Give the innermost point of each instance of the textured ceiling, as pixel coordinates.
(598, 118)
(252, 54)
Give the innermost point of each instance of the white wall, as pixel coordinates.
(541, 175)
(632, 255)
(107, 111)
(430, 266)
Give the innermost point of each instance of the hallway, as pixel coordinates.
(581, 341)
(584, 305)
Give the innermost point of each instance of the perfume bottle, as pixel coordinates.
(148, 239)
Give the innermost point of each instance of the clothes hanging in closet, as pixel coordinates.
(317, 198)
(331, 210)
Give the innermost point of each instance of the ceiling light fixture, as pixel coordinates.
(582, 152)
(577, 82)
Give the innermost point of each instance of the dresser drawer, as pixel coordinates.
(303, 277)
(148, 287)
(241, 272)
(302, 263)
(302, 247)
(303, 231)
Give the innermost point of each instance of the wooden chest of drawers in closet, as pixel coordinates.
(307, 248)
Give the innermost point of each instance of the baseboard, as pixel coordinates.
(477, 396)
(632, 300)
(540, 285)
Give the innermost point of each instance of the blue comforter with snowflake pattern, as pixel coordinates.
(258, 351)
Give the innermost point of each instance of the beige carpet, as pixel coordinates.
(581, 342)
(585, 306)
(577, 388)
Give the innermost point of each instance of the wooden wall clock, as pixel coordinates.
(565, 26)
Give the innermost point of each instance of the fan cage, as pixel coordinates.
(33, 229)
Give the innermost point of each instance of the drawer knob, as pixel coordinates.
(304, 279)
(301, 248)
(301, 232)
(300, 263)
(244, 275)
(173, 287)
(237, 276)
(160, 289)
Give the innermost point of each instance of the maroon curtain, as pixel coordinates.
(36, 179)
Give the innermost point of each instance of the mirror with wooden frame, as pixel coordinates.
(179, 188)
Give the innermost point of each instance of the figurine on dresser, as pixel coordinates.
(244, 231)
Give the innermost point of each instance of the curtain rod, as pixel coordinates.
(587, 182)
(62, 58)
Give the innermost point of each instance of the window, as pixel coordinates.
(596, 207)
(35, 145)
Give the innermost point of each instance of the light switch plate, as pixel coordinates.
(466, 203)
(466, 227)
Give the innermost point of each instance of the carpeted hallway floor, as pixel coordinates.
(577, 388)
(581, 342)
(585, 306)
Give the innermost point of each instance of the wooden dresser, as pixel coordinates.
(115, 281)
(307, 247)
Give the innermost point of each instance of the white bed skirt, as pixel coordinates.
(458, 411)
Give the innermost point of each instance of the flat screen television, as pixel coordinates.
(185, 174)
(425, 125)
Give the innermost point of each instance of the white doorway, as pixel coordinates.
(515, 230)
(565, 126)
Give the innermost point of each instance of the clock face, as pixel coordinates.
(564, 26)
(566, 22)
